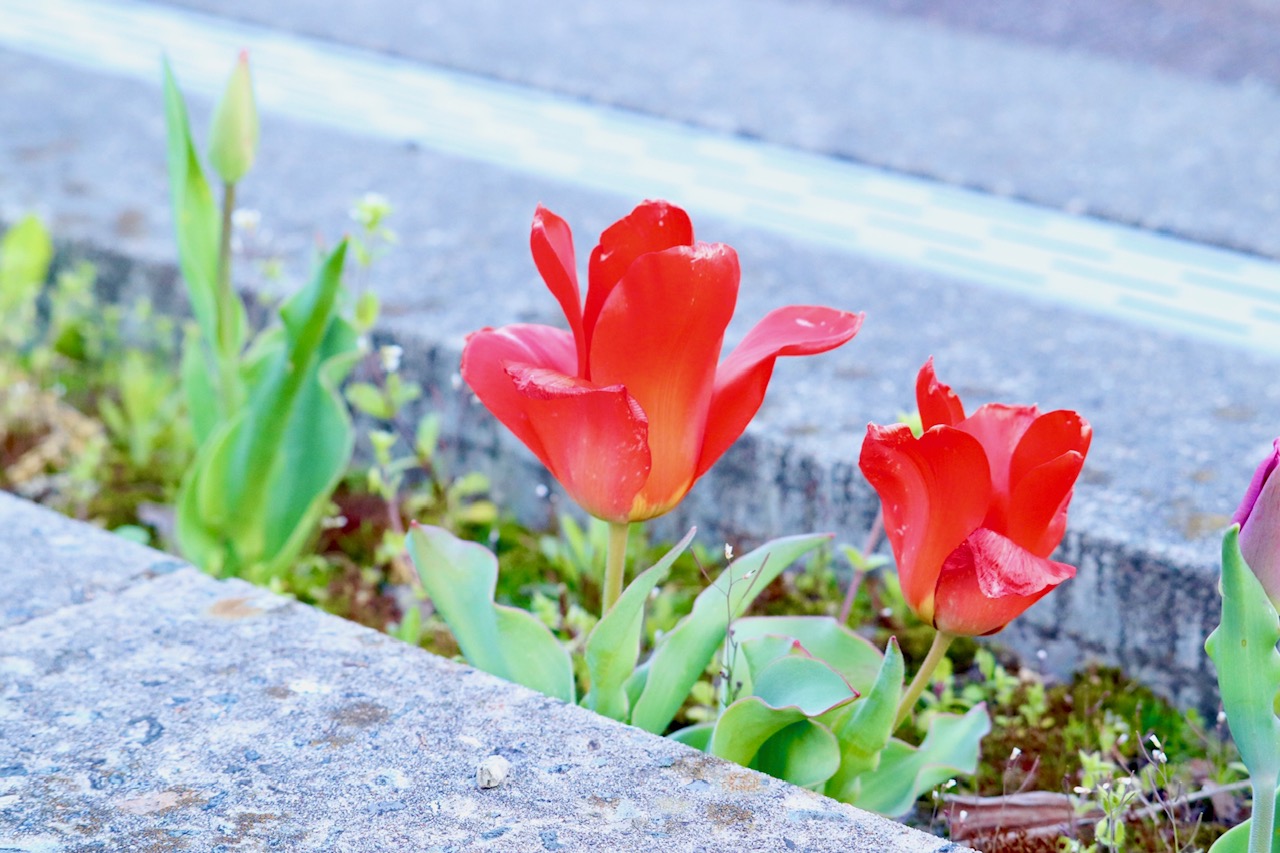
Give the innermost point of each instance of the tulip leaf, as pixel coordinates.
(950, 748)
(822, 637)
(461, 577)
(751, 656)
(742, 728)
(534, 654)
(262, 480)
(804, 753)
(683, 654)
(1243, 649)
(697, 736)
(613, 646)
(864, 728)
(804, 683)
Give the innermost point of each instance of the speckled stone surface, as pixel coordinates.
(185, 713)
(1179, 423)
(47, 564)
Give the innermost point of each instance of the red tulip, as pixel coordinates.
(974, 507)
(632, 405)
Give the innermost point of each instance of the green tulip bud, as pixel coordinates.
(233, 139)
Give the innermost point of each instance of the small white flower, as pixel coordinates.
(541, 490)
(390, 355)
(1013, 756)
(728, 551)
(1155, 741)
(1160, 757)
(245, 219)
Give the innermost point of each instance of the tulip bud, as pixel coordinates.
(1259, 520)
(233, 139)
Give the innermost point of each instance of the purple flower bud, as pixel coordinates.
(1259, 520)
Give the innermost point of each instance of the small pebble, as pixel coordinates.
(493, 771)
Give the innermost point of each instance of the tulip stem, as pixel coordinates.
(937, 651)
(225, 345)
(1262, 829)
(615, 567)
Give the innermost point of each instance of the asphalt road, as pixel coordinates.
(1225, 40)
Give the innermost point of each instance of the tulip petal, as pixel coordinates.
(1260, 534)
(988, 581)
(938, 404)
(742, 378)
(934, 491)
(1038, 508)
(552, 244)
(652, 227)
(1048, 437)
(1264, 471)
(485, 357)
(595, 439)
(999, 428)
(1042, 474)
(659, 335)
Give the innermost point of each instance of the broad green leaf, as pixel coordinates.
(460, 577)
(744, 659)
(683, 653)
(804, 683)
(25, 254)
(697, 736)
(949, 749)
(613, 646)
(805, 754)
(262, 480)
(743, 727)
(1243, 649)
(849, 654)
(534, 654)
(864, 728)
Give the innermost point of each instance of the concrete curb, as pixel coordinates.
(178, 712)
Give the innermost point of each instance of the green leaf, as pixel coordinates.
(684, 652)
(534, 654)
(198, 385)
(369, 399)
(804, 683)
(805, 754)
(25, 254)
(742, 728)
(613, 647)
(1243, 648)
(460, 577)
(697, 736)
(949, 749)
(849, 654)
(510, 643)
(262, 480)
(864, 728)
